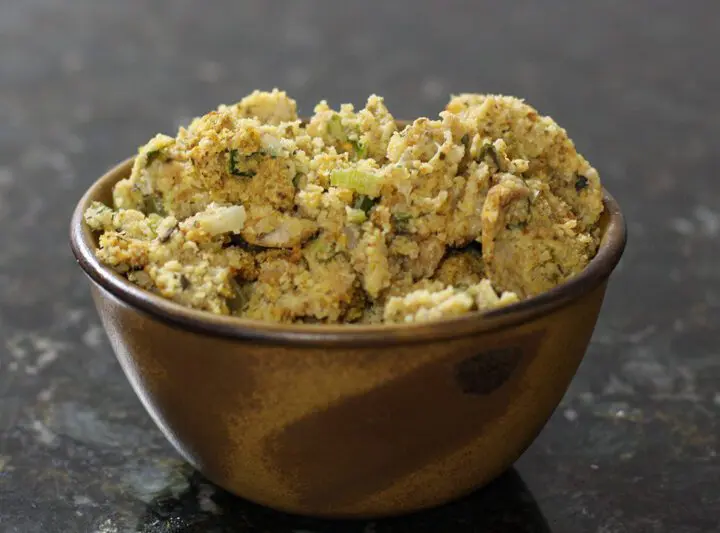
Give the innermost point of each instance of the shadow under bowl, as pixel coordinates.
(348, 421)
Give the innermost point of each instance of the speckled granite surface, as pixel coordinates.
(634, 446)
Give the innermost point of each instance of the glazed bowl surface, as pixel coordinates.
(345, 420)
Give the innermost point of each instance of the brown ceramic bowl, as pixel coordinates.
(348, 421)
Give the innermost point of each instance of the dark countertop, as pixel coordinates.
(635, 444)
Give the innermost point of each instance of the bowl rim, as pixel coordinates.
(595, 273)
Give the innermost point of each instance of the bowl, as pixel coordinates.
(348, 421)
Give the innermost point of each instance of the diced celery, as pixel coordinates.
(356, 216)
(335, 128)
(358, 181)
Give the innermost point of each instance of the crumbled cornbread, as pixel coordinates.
(350, 218)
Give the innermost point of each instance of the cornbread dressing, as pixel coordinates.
(349, 218)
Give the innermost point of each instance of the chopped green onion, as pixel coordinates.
(358, 181)
(232, 166)
(231, 161)
(488, 149)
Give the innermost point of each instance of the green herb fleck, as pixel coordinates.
(581, 183)
(184, 282)
(360, 149)
(231, 161)
(488, 149)
(364, 203)
(232, 166)
(296, 180)
(151, 156)
(400, 220)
